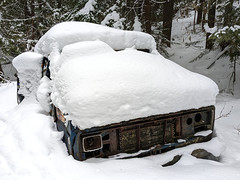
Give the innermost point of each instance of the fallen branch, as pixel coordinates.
(224, 115)
(218, 56)
(238, 129)
(199, 56)
(3, 79)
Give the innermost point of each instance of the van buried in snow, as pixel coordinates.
(111, 92)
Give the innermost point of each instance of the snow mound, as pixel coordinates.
(29, 70)
(71, 32)
(97, 90)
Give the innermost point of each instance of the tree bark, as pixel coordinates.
(204, 14)
(200, 12)
(148, 16)
(211, 21)
(227, 13)
(167, 21)
(1, 72)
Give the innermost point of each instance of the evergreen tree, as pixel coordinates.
(231, 37)
(24, 22)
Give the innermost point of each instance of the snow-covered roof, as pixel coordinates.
(66, 33)
(111, 87)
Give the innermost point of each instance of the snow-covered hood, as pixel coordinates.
(67, 33)
(111, 87)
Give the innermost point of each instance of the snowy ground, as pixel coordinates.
(30, 148)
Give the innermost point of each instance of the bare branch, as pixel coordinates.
(238, 129)
(3, 79)
(158, 2)
(224, 115)
(18, 20)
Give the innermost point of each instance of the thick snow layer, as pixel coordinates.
(8, 96)
(78, 50)
(71, 32)
(29, 70)
(43, 93)
(117, 86)
(27, 61)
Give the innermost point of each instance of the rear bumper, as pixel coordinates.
(155, 134)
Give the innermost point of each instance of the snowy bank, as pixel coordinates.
(97, 90)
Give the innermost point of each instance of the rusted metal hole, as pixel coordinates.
(105, 137)
(106, 148)
(189, 121)
(198, 117)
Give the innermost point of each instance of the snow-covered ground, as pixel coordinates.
(31, 148)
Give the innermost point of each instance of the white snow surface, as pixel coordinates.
(43, 93)
(97, 90)
(203, 133)
(77, 50)
(31, 148)
(137, 26)
(115, 17)
(66, 33)
(29, 70)
(89, 6)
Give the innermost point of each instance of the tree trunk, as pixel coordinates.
(194, 21)
(59, 4)
(167, 21)
(1, 73)
(204, 15)
(211, 21)
(148, 16)
(200, 12)
(32, 15)
(227, 13)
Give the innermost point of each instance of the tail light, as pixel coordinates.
(92, 143)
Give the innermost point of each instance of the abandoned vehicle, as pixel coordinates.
(111, 92)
